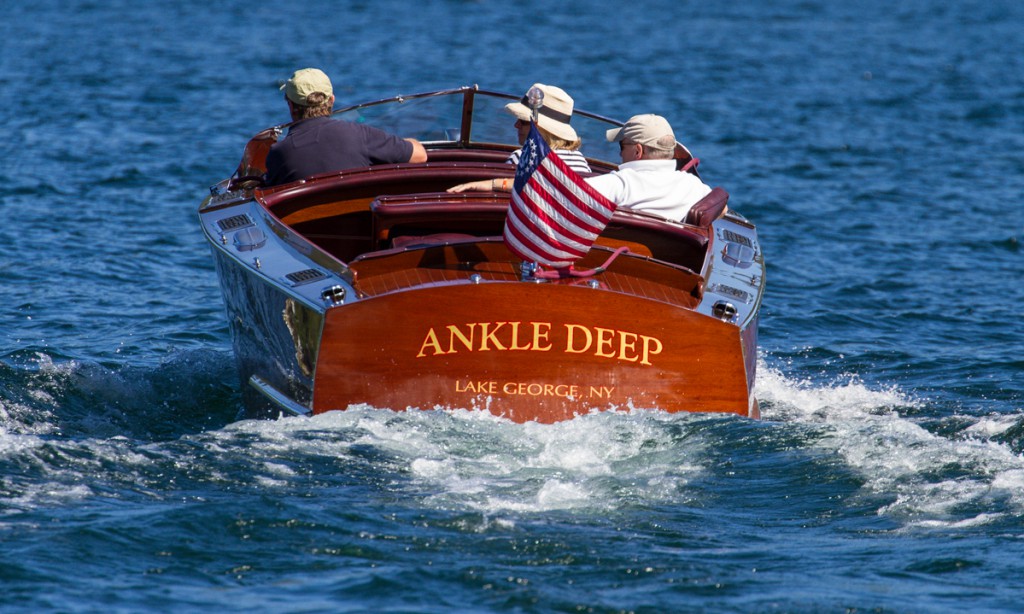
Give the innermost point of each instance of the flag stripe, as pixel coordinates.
(524, 251)
(541, 223)
(545, 242)
(538, 251)
(555, 215)
(559, 209)
(577, 194)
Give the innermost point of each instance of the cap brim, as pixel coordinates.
(615, 134)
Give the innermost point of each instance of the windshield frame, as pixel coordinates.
(469, 117)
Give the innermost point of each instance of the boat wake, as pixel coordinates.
(41, 393)
(74, 432)
(952, 471)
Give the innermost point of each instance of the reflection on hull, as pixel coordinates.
(275, 338)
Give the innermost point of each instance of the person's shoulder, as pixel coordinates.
(359, 127)
(575, 159)
(334, 123)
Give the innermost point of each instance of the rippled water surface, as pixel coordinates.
(876, 145)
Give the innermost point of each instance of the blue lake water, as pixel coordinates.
(877, 145)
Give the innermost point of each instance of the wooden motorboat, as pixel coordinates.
(374, 286)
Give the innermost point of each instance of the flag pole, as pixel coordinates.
(554, 215)
(535, 98)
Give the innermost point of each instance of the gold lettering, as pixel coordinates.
(579, 339)
(539, 335)
(430, 341)
(528, 389)
(623, 346)
(453, 332)
(570, 345)
(477, 387)
(605, 336)
(649, 343)
(486, 336)
(515, 339)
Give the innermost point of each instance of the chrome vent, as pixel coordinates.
(305, 276)
(739, 256)
(250, 238)
(733, 237)
(234, 222)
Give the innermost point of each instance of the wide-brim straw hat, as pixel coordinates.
(554, 114)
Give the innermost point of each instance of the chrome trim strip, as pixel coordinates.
(278, 398)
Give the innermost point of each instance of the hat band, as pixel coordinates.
(548, 112)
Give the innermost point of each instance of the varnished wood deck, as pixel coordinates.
(399, 270)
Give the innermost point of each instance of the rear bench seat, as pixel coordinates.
(409, 220)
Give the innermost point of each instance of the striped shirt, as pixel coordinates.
(573, 158)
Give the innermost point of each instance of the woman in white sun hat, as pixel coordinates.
(553, 118)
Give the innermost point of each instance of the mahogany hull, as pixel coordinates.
(543, 352)
(377, 286)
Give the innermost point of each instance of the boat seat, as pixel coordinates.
(415, 220)
(646, 234)
(708, 209)
(438, 238)
(405, 219)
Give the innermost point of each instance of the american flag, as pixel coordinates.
(555, 216)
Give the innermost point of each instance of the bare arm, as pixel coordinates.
(485, 185)
(419, 154)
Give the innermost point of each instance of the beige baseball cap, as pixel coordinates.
(306, 81)
(644, 129)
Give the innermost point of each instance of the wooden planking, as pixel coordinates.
(397, 351)
(613, 282)
(395, 270)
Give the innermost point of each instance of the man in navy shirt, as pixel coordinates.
(316, 143)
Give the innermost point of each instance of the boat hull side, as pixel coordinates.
(275, 336)
(543, 352)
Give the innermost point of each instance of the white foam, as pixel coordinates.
(16, 443)
(474, 460)
(991, 426)
(471, 460)
(932, 480)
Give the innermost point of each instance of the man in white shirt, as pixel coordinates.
(647, 179)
